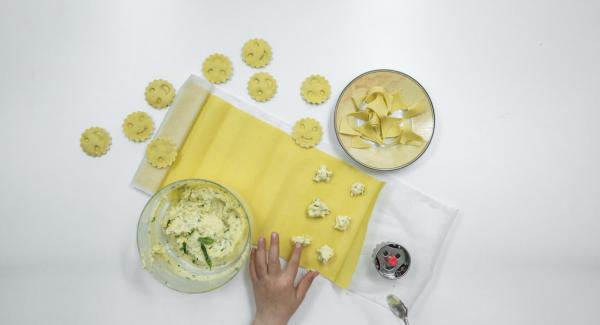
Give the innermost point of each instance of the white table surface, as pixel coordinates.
(515, 87)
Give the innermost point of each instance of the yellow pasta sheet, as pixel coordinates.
(274, 176)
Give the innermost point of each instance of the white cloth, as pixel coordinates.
(402, 214)
(415, 221)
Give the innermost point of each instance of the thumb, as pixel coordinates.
(304, 284)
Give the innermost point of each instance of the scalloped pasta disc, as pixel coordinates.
(95, 141)
(161, 153)
(262, 86)
(138, 126)
(159, 93)
(257, 53)
(315, 89)
(307, 132)
(217, 68)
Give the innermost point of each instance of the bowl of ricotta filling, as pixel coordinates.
(194, 235)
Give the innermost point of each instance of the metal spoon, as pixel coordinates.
(398, 308)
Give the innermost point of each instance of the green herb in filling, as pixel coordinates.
(184, 248)
(203, 242)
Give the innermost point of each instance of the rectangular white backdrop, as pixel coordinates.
(515, 89)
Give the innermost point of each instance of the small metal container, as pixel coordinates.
(391, 260)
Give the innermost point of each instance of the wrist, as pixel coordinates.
(261, 319)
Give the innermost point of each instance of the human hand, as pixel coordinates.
(275, 295)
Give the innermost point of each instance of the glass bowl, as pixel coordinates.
(386, 157)
(194, 235)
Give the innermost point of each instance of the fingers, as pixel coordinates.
(273, 265)
(292, 267)
(304, 284)
(261, 258)
(252, 266)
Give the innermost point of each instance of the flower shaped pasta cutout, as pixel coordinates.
(372, 122)
(217, 68)
(307, 132)
(315, 89)
(95, 141)
(262, 86)
(159, 93)
(257, 53)
(138, 126)
(161, 153)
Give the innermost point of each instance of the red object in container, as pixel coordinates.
(392, 260)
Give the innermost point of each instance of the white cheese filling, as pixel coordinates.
(342, 223)
(303, 240)
(324, 254)
(357, 189)
(203, 222)
(317, 209)
(323, 175)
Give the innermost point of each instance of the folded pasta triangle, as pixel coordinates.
(378, 91)
(379, 106)
(370, 133)
(409, 137)
(359, 143)
(397, 102)
(374, 120)
(414, 110)
(390, 127)
(362, 115)
(347, 125)
(357, 100)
